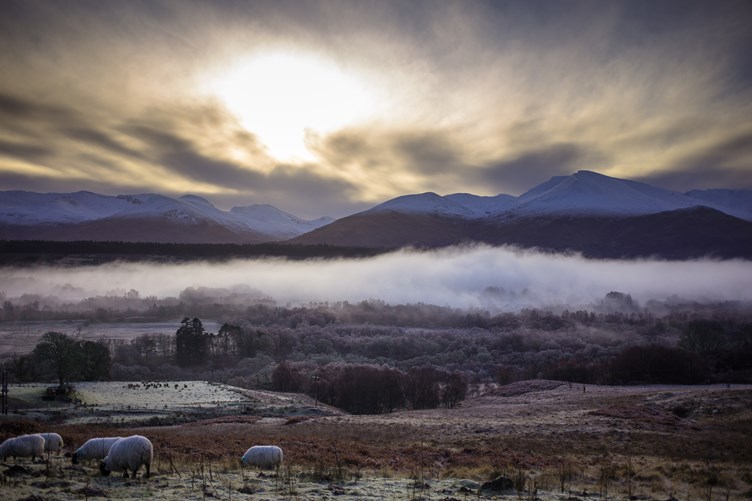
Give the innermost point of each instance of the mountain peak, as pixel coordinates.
(423, 203)
(195, 199)
(587, 192)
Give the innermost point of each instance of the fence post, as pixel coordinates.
(4, 406)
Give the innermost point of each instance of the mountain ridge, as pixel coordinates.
(584, 212)
(87, 215)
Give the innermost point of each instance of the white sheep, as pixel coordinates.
(128, 453)
(94, 448)
(52, 442)
(24, 446)
(263, 456)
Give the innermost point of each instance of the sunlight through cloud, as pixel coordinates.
(281, 97)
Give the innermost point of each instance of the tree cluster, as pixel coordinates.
(60, 357)
(370, 389)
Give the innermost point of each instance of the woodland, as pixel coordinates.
(372, 357)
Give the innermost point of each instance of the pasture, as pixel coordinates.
(552, 440)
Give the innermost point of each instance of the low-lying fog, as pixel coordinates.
(463, 277)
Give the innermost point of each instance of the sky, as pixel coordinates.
(330, 107)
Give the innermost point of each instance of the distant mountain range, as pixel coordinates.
(585, 212)
(142, 218)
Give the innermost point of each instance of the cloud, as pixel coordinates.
(103, 140)
(457, 277)
(724, 164)
(28, 152)
(180, 156)
(530, 168)
(384, 161)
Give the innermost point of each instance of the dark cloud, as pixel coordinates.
(429, 152)
(14, 107)
(304, 181)
(182, 157)
(424, 152)
(44, 184)
(517, 174)
(716, 167)
(102, 140)
(27, 152)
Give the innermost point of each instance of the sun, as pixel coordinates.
(281, 97)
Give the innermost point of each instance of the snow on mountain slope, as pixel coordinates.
(589, 193)
(272, 221)
(424, 203)
(483, 206)
(735, 202)
(584, 193)
(28, 209)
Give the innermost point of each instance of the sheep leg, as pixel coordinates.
(135, 470)
(125, 472)
(148, 470)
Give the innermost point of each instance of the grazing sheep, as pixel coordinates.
(263, 456)
(94, 448)
(128, 454)
(24, 446)
(52, 442)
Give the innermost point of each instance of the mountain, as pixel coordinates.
(735, 202)
(590, 193)
(144, 217)
(586, 212)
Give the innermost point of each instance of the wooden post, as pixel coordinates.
(4, 406)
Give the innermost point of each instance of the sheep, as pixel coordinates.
(24, 446)
(263, 456)
(128, 453)
(52, 442)
(94, 448)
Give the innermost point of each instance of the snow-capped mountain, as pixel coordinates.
(483, 206)
(83, 214)
(584, 193)
(586, 212)
(734, 202)
(272, 221)
(424, 203)
(588, 193)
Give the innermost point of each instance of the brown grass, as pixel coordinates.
(606, 441)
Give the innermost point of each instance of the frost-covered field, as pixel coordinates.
(120, 402)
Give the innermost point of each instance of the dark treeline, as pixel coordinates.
(60, 358)
(34, 252)
(374, 357)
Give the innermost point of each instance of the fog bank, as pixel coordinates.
(463, 277)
